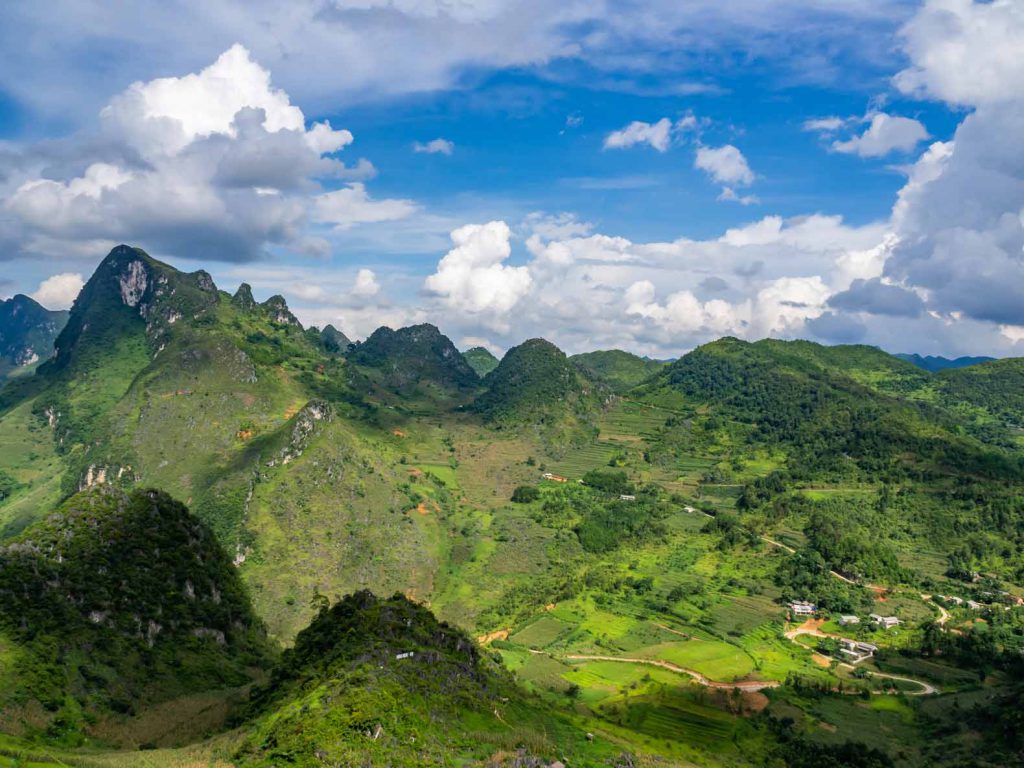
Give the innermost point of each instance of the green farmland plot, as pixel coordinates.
(540, 633)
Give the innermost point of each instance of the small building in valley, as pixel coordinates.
(802, 608)
(847, 620)
(856, 651)
(974, 605)
(555, 478)
(627, 497)
(885, 622)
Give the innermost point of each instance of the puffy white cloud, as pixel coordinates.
(366, 283)
(965, 52)
(352, 205)
(725, 165)
(960, 217)
(885, 134)
(59, 291)
(214, 165)
(472, 276)
(437, 146)
(657, 135)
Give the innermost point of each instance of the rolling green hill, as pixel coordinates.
(620, 370)
(381, 680)
(832, 408)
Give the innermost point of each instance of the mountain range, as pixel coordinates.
(225, 534)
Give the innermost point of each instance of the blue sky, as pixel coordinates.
(640, 175)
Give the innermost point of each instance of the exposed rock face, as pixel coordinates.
(243, 298)
(130, 280)
(306, 423)
(278, 310)
(133, 283)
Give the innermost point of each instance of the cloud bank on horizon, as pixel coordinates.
(216, 165)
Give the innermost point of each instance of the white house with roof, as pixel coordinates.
(885, 622)
(856, 651)
(847, 620)
(803, 608)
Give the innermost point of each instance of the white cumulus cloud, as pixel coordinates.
(725, 165)
(885, 134)
(215, 165)
(657, 135)
(472, 276)
(59, 291)
(366, 283)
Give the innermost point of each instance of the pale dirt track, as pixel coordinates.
(743, 685)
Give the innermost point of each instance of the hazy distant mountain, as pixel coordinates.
(934, 364)
(27, 333)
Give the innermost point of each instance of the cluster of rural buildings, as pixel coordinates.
(804, 608)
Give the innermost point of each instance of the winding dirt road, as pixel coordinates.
(743, 685)
(926, 689)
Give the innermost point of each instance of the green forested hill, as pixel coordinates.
(996, 386)
(536, 386)
(620, 370)
(115, 602)
(416, 358)
(833, 408)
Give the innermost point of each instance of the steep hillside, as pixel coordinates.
(116, 602)
(376, 680)
(935, 364)
(417, 359)
(27, 333)
(620, 370)
(480, 360)
(536, 386)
